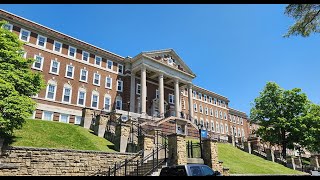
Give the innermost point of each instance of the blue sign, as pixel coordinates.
(204, 134)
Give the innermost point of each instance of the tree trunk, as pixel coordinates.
(284, 144)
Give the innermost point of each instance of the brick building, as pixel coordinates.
(80, 75)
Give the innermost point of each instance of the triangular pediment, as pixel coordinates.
(170, 58)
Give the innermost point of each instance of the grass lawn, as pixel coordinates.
(49, 134)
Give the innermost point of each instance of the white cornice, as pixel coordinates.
(213, 93)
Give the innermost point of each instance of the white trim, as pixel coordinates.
(59, 109)
(120, 65)
(200, 109)
(84, 98)
(81, 75)
(121, 85)
(85, 52)
(54, 49)
(94, 78)
(54, 93)
(212, 126)
(66, 86)
(172, 101)
(75, 51)
(51, 118)
(137, 88)
(107, 66)
(66, 75)
(68, 119)
(96, 94)
(42, 61)
(10, 26)
(75, 120)
(44, 43)
(104, 102)
(95, 60)
(51, 65)
(195, 107)
(20, 36)
(110, 83)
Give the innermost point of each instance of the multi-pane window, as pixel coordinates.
(83, 75)
(109, 64)
(72, 51)
(212, 126)
(81, 98)
(96, 79)
(206, 110)
(171, 98)
(41, 41)
(219, 102)
(120, 85)
(47, 115)
(69, 71)
(85, 56)
(210, 100)
(109, 82)
(54, 67)
(195, 107)
(200, 96)
(138, 89)
(57, 46)
(221, 128)
(216, 114)
(24, 35)
(51, 91)
(207, 124)
(205, 98)
(107, 103)
(227, 130)
(215, 101)
(66, 94)
(195, 120)
(38, 63)
(78, 120)
(94, 101)
(120, 68)
(225, 116)
(64, 118)
(223, 104)
(7, 27)
(221, 117)
(217, 127)
(200, 108)
(201, 122)
(119, 103)
(98, 60)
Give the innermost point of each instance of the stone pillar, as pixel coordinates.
(210, 153)
(143, 90)
(176, 97)
(122, 132)
(247, 147)
(101, 124)
(146, 143)
(314, 162)
(87, 116)
(132, 92)
(161, 95)
(298, 163)
(190, 102)
(177, 154)
(270, 154)
(291, 163)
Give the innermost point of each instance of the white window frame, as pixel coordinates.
(207, 125)
(206, 110)
(85, 52)
(75, 120)
(84, 98)
(221, 128)
(10, 26)
(205, 98)
(54, 93)
(238, 120)
(226, 128)
(211, 112)
(54, 46)
(51, 118)
(108, 64)
(217, 127)
(216, 113)
(81, 75)
(66, 75)
(75, 51)
(195, 120)
(104, 102)
(94, 78)
(95, 60)
(110, 82)
(63, 93)
(194, 94)
(28, 37)
(171, 99)
(42, 61)
(195, 107)
(94, 94)
(214, 100)
(45, 41)
(138, 89)
(241, 121)
(119, 99)
(120, 66)
(58, 68)
(210, 99)
(121, 85)
(225, 116)
(200, 96)
(212, 126)
(220, 115)
(200, 108)
(68, 119)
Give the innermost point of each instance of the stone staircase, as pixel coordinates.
(146, 169)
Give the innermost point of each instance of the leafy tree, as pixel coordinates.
(17, 83)
(279, 114)
(307, 19)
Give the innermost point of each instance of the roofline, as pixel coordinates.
(60, 33)
(238, 112)
(201, 88)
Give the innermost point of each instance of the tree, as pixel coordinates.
(307, 19)
(17, 83)
(279, 114)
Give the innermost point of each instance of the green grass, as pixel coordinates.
(49, 134)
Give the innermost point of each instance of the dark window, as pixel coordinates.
(195, 171)
(173, 171)
(207, 171)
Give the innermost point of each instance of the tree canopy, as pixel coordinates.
(17, 83)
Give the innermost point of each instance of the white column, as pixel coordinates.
(132, 92)
(161, 95)
(190, 101)
(143, 90)
(176, 97)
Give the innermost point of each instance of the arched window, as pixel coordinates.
(81, 96)
(51, 90)
(107, 102)
(95, 99)
(67, 93)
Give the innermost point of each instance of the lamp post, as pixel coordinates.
(200, 127)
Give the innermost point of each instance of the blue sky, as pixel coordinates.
(233, 49)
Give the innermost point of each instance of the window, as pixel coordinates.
(223, 104)
(64, 118)
(97, 61)
(119, 103)
(195, 107)
(109, 82)
(194, 94)
(24, 35)
(212, 126)
(107, 102)
(57, 46)
(205, 98)
(207, 171)
(185, 92)
(201, 122)
(77, 120)
(72, 51)
(219, 102)
(41, 41)
(120, 85)
(230, 118)
(38, 63)
(171, 98)
(207, 124)
(66, 97)
(81, 97)
(157, 93)
(206, 110)
(221, 128)
(120, 68)
(200, 108)
(195, 120)
(94, 100)
(138, 89)
(51, 90)
(55, 65)
(69, 71)
(225, 116)
(109, 64)
(47, 115)
(216, 114)
(217, 127)
(96, 79)
(215, 101)
(238, 120)
(211, 112)
(221, 115)
(200, 96)
(210, 100)
(7, 27)
(83, 75)
(227, 130)
(241, 121)
(234, 119)
(85, 56)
